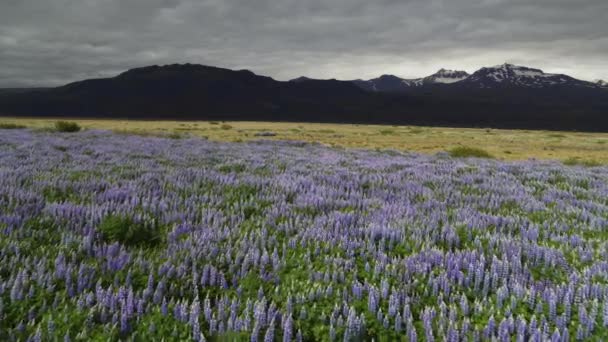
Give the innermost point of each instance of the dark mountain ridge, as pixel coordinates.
(197, 92)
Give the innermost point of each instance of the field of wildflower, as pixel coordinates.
(107, 236)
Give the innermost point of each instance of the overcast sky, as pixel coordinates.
(51, 42)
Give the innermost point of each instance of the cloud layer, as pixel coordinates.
(52, 42)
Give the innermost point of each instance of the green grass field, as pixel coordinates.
(570, 147)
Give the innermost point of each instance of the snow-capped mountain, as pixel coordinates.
(446, 76)
(500, 76)
(391, 83)
(509, 75)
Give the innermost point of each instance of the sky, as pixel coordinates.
(53, 42)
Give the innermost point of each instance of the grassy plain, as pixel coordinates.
(571, 147)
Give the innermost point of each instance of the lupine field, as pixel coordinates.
(117, 237)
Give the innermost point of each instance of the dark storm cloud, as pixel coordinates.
(54, 41)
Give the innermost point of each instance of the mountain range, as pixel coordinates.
(500, 76)
(501, 96)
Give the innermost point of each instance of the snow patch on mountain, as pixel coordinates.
(515, 75)
(499, 76)
(446, 76)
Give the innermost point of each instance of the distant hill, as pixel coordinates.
(19, 90)
(502, 96)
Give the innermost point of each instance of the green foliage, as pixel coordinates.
(466, 152)
(387, 131)
(175, 135)
(574, 161)
(6, 125)
(554, 274)
(225, 127)
(67, 126)
(123, 229)
(232, 168)
(234, 195)
(55, 194)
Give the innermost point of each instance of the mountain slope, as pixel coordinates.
(509, 75)
(391, 83)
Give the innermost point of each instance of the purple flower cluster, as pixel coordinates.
(268, 241)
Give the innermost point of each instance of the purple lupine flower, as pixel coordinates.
(379, 315)
(398, 323)
(16, 290)
(255, 332)
(413, 336)
(124, 323)
(287, 329)
(605, 314)
(372, 300)
(194, 319)
(37, 336)
(269, 336)
(556, 337)
(427, 324)
(164, 307)
(384, 288)
(464, 305)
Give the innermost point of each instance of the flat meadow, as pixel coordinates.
(571, 147)
(199, 231)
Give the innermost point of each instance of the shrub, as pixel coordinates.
(265, 134)
(387, 131)
(6, 125)
(466, 152)
(123, 229)
(226, 126)
(573, 161)
(66, 126)
(175, 135)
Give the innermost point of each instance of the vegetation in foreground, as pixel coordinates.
(67, 126)
(469, 152)
(502, 144)
(4, 125)
(107, 237)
